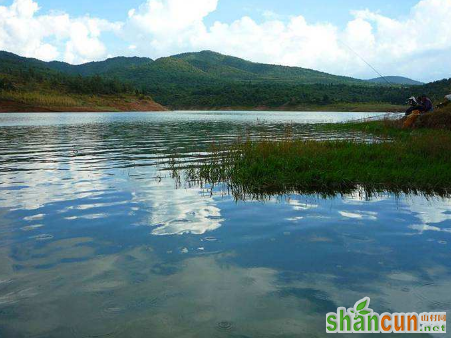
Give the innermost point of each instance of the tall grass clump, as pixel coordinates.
(439, 119)
(420, 163)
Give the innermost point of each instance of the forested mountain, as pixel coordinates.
(207, 64)
(13, 61)
(209, 80)
(30, 85)
(233, 68)
(101, 67)
(30, 74)
(395, 80)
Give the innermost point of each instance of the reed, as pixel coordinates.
(418, 163)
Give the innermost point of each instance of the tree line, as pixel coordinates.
(34, 78)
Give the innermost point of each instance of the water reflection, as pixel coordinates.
(176, 211)
(95, 241)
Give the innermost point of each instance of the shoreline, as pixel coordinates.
(9, 106)
(23, 108)
(364, 108)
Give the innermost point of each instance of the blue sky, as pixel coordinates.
(306, 33)
(337, 12)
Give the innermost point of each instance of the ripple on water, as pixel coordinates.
(261, 303)
(43, 237)
(322, 296)
(210, 239)
(224, 326)
(111, 309)
(248, 281)
(34, 217)
(31, 227)
(430, 299)
(143, 304)
(96, 329)
(357, 238)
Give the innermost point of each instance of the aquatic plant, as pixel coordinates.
(408, 163)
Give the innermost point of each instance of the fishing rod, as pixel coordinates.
(373, 68)
(369, 65)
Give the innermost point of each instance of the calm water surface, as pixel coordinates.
(96, 241)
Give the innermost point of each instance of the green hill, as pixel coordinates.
(162, 73)
(100, 67)
(233, 68)
(205, 66)
(10, 61)
(13, 61)
(395, 80)
(29, 85)
(209, 80)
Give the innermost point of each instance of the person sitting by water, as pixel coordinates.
(423, 105)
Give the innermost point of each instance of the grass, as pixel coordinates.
(55, 101)
(40, 99)
(402, 161)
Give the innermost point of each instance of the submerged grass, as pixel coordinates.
(406, 162)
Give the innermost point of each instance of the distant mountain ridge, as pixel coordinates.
(210, 80)
(234, 68)
(8, 59)
(99, 67)
(208, 65)
(30, 85)
(205, 66)
(396, 80)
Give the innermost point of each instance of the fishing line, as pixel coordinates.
(369, 65)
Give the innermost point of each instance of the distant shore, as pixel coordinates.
(342, 107)
(114, 104)
(81, 104)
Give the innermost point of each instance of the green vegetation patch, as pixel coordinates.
(209, 80)
(408, 163)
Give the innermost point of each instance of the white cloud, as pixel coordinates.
(162, 27)
(293, 43)
(417, 46)
(270, 15)
(84, 39)
(53, 36)
(171, 16)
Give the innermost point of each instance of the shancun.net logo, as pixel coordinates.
(361, 319)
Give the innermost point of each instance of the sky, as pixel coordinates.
(404, 37)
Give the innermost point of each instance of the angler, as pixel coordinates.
(423, 104)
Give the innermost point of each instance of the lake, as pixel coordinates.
(97, 240)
